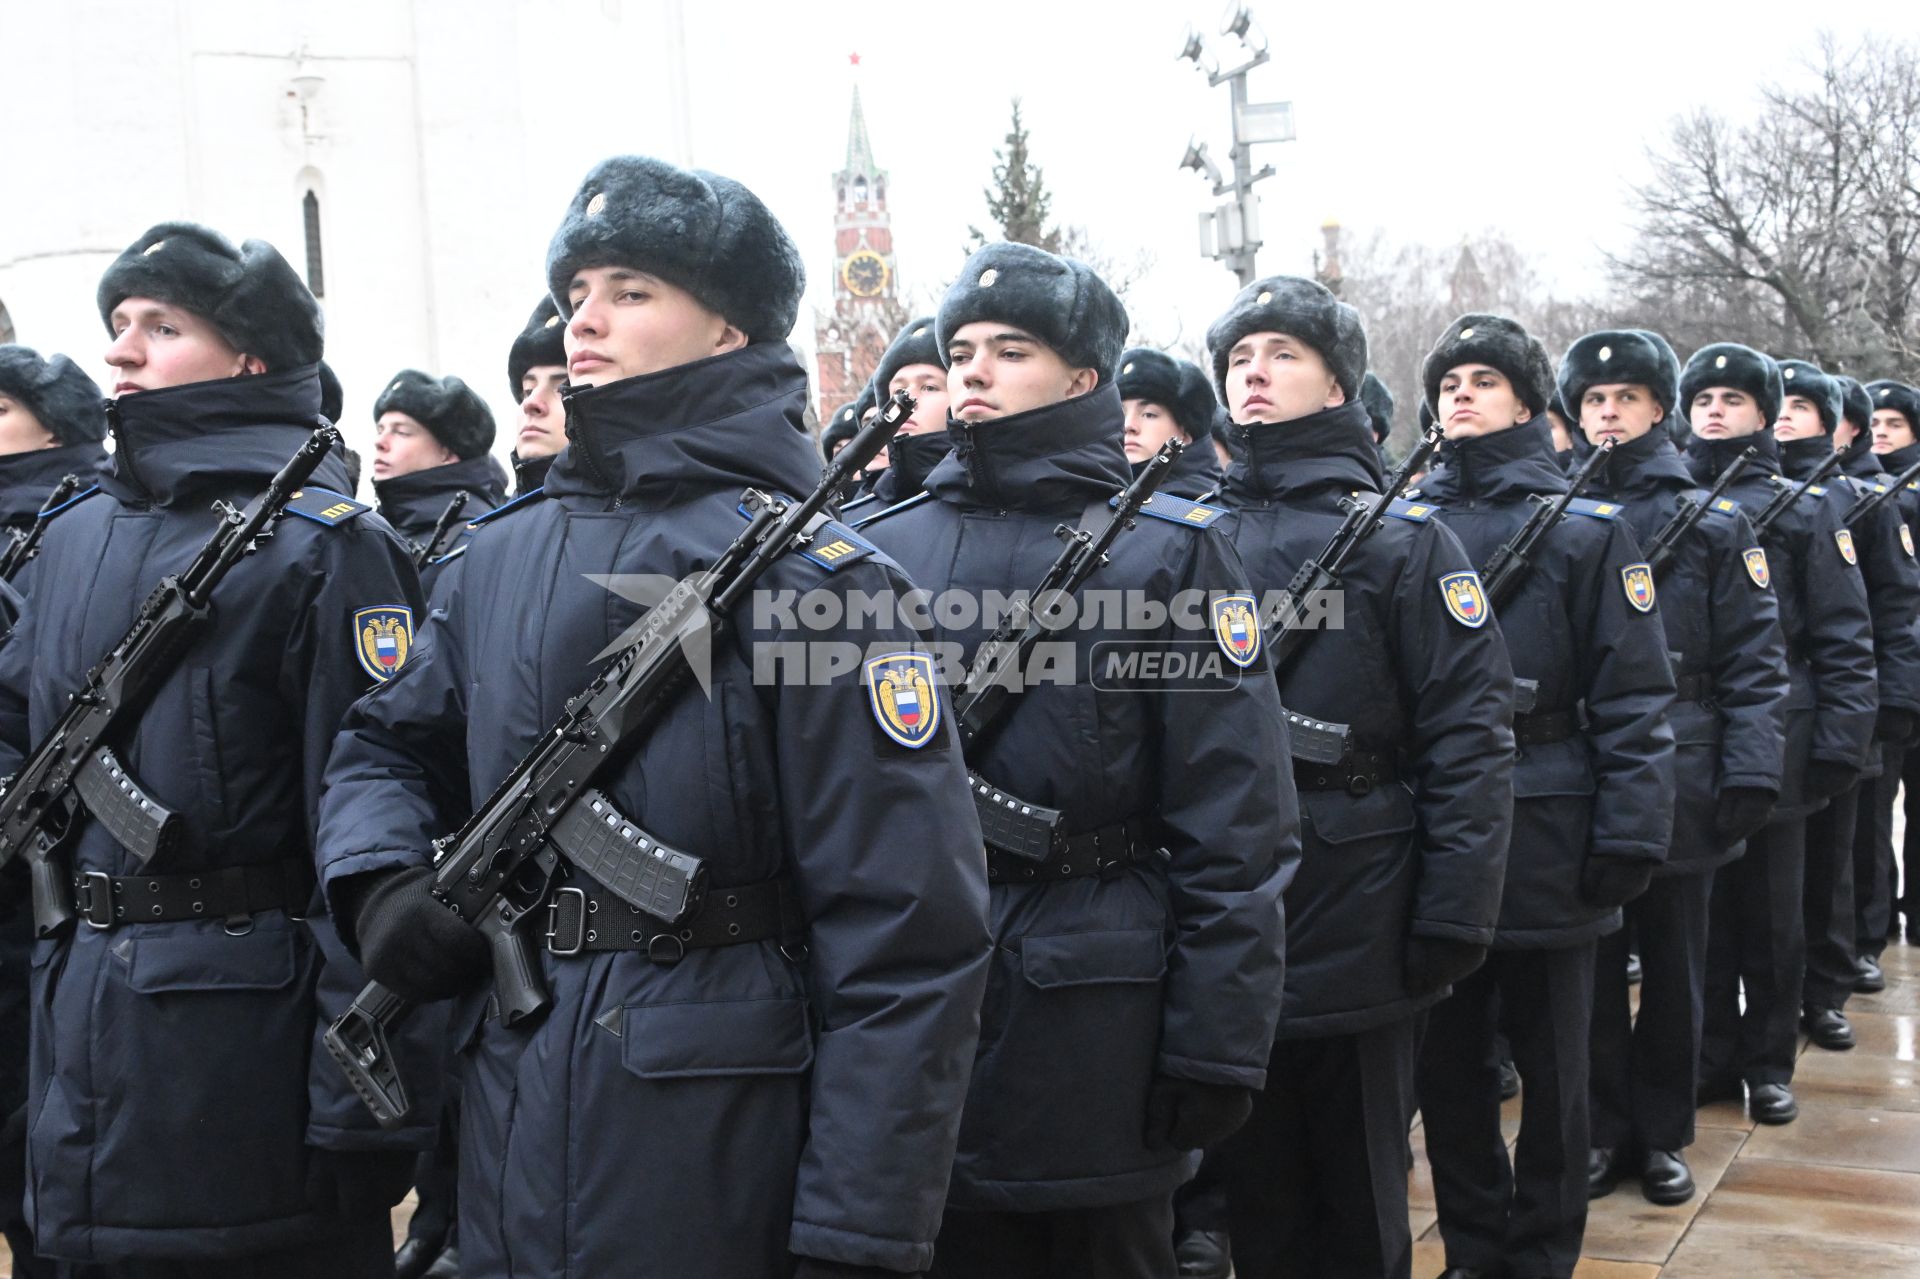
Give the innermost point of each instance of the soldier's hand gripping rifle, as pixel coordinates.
(73, 767)
(1791, 493)
(27, 545)
(1507, 567)
(1011, 824)
(1871, 502)
(430, 548)
(499, 867)
(1662, 547)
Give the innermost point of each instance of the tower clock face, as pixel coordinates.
(865, 274)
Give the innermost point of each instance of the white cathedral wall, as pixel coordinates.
(438, 141)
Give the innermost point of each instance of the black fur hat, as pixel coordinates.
(1299, 308)
(1810, 381)
(1855, 406)
(1175, 385)
(541, 342)
(1058, 300)
(333, 396)
(250, 295)
(1898, 396)
(57, 391)
(705, 233)
(917, 343)
(1196, 385)
(1612, 357)
(1379, 401)
(842, 427)
(1739, 367)
(448, 407)
(1499, 343)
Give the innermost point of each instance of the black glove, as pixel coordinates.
(1742, 811)
(411, 943)
(1185, 1114)
(355, 1183)
(1896, 726)
(1614, 881)
(1827, 778)
(1433, 962)
(814, 1268)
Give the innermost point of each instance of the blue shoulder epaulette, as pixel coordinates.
(1418, 512)
(1598, 510)
(71, 502)
(1179, 510)
(830, 544)
(905, 504)
(1721, 505)
(525, 499)
(324, 506)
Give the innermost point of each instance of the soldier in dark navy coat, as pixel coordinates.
(180, 1120)
(1890, 413)
(774, 1088)
(1722, 630)
(537, 372)
(1137, 970)
(1167, 398)
(431, 437)
(1404, 828)
(1756, 936)
(911, 364)
(1593, 808)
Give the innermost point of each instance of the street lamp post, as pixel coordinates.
(1230, 233)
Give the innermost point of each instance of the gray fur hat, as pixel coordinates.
(1058, 300)
(541, 342)
(250, 295)
(1379, 401)
(1499, 343)
(1175, 385)
(1898, 396)
(1855, 404)
(448, 407)
(705, 233)
(57, 391)
(1299, 308)
(916, 343)
(1611, 357)
(333, 396)
(1740, 368)
(1811, 382)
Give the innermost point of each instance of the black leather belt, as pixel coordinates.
(1693, 688)
(1542, 727)
(1361, 773)
(583, 918)
(232, 893)
(1105, 851)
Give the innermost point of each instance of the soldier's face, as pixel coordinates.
(1149, 425)
(20, 429)
(401, 446)
(927, 384)
(1619, 412)
(627, 323)
(1273, 377)
(996, 370)
(1722, 413)
(156, 345)
(1891, 430)
(543, 414)
(1477, 399)
(1799, 420)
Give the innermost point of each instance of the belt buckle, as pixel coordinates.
(554, 922)
(1359, 785)
(93, 899)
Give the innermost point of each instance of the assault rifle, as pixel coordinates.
(501, 865)
(1871, 502)
(1663, 545)
(1507, 567)
(1790, 493)
(73, 768)
(27, 545)
(427, 550)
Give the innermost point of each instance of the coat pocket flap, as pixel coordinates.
(1097, 958)
(1341, 819)
(1559, 768)
(698, 1039)
(205, 957)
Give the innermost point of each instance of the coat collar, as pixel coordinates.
(416, 500)
(27, 478)
(1055, 458)
(1507, 466)
(1331, 449)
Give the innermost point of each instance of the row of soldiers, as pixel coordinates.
(1391, 838)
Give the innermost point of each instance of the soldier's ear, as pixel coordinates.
(1659, 414)
(1083, 381)
(731, 338)
(251, 366)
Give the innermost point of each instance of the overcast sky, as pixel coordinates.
(1429, 122)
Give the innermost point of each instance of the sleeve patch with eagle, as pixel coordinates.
(383, 639)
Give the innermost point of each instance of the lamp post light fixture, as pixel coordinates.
(1230, 233)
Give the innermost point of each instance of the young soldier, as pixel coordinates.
(1894, 421)
(1405, 834)
(179, 1121)
(1811, 418)
(781, 1073)
(1593, 808)
(912, 364)
(1165, 399)
(1137, 969)
(431, 437)
(1756, 935)
(537, 371)
(1722, 631)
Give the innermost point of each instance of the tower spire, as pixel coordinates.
(859, 150)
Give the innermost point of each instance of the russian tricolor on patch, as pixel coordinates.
(1465, 600)
(900, 689)
(384, 638)
(1237, 629)
(1638, 580)
(1756, 560)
